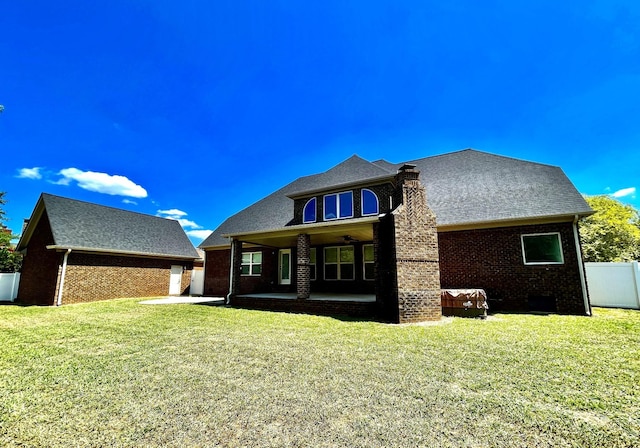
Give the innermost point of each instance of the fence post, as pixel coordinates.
(14, 285)
(636, 278)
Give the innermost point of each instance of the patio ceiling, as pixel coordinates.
(324, 233)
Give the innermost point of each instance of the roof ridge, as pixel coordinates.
(478, 151)
(356, 158)
(43, 194)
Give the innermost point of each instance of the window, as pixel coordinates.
(338, 205)
(312, 263)
(368, 262)
(309, 212)
(338, 263)
(542, 248)
(369, 202)
(251, 263)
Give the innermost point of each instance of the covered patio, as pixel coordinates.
(296, 273)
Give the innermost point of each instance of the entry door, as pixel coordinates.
(175, 281)
(284, 267)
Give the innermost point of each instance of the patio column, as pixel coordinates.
(303, 272)
(234, 271)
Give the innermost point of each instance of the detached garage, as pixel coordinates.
(77, 251)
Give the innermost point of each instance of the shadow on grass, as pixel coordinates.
(18, 304)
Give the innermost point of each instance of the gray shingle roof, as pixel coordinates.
(83, 225)
(464, 187)
(470, 186)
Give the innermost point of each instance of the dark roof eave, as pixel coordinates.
(301, 227)
(122, 252)
(528, 220)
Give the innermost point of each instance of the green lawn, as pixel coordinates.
(123, 374)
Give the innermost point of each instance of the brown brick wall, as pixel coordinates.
(217, 265)
(39, 273)
(491, 259)
(216, 272)
(91, 277)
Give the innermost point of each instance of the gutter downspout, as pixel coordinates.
(583, 281)
(62, 275)
(227, 299)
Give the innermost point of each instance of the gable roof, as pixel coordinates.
(85, 226)
(467, 187)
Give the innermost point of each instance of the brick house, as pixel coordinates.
(377, 238)
(77, 251)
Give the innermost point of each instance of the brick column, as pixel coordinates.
(236, 263)
(303, 270)
(416, 252)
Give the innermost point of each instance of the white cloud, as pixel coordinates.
(173, 212)
(129, 201)
(30, 173)
(185, 223)
(102, 183)
(199, 234)
(624, 192)
(179, 216)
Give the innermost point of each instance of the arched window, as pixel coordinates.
(369, 203)
(309, 212)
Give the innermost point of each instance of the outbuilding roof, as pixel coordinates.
(464, 188)
(85, 226)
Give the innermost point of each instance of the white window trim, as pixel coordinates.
(337, 263)
(538, 263)
(362, 203)
(337, 195)
(364, 263)
(251, 264)
(315, 211)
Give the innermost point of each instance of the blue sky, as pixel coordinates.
(196, 109)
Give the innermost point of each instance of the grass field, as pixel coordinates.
(119, 373)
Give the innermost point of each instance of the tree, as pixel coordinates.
(612, 233)
(5, 236)
(10, 261)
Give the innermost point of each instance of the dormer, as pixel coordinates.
(368, 197)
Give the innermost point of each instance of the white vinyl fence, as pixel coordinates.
(9, 286)
(614, 285)
(197, 283)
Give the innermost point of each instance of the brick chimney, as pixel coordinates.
(417, 265)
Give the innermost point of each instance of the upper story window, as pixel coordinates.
(338, 205)
(370, 204)
(309, 212)
(251, 263)
(542, 248)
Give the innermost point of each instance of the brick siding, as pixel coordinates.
(91, 277)
(491, 259)
(416, 253)
(39, 274)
